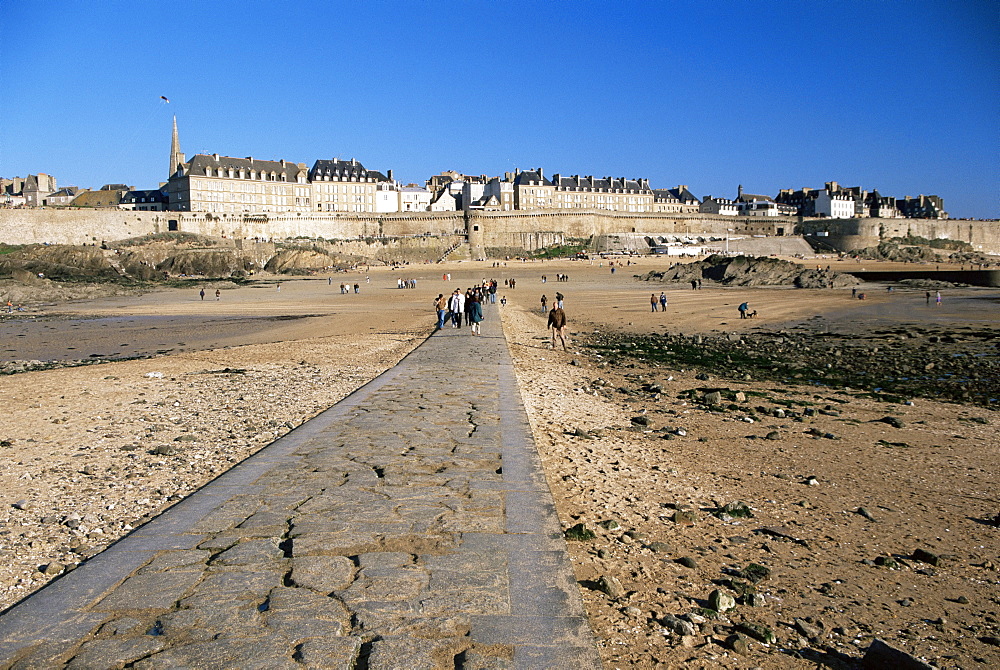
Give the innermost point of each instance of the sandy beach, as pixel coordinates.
(89, 452)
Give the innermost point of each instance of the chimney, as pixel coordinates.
(389, 174)
(216, 157)
(541, 175)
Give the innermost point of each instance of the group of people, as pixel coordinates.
(558, 301)
(469, 305)
(218, 294)
(406, 283)
(661, 301)
(346, 288)
(559, 277)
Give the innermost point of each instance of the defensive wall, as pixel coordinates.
(849, 234)
(526, 230)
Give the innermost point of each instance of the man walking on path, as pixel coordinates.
(663, 301)
(545, 302)
(559, 299)
(557, 322)
(457, 307)
(652, 301)
(441, 305)
(202, 293)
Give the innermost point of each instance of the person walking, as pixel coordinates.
(557, 322)
(457, 307)
(663, 301)
(559, 299)
(545, 303)
(475, 314)
(218, 294)
(653, 302)
(937, 298)
(441, 305)
(202, 293)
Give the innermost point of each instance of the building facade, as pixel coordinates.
(226, 185)
(348, 186)
(721, 206)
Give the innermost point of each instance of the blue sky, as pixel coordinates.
(899, 96)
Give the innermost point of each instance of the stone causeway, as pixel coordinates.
(408, 526)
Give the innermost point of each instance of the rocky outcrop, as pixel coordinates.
(751, 271)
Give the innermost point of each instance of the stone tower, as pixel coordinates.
(176, 157)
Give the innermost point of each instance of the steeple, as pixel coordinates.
(176, 157)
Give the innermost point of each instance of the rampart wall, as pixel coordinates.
(849, 234)
(508, 230)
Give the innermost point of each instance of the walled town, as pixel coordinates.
(768, 438)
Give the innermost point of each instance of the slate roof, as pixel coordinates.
(65, 191)
(338, 170)
(154, 195)
(577, 183)
(201, 162)
(528, 176)
(683, 194)
(750, 197)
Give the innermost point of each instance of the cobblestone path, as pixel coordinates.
(409, 526)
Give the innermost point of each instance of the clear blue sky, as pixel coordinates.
(899, 96)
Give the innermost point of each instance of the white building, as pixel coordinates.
(834, 205)
(721, 206)
(414, 199)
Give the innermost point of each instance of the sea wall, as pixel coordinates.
(850, 234)
(526, 230)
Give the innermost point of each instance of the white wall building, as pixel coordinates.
(833, 205)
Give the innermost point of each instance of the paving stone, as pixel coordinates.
(324, 574)
(96, 653)
(338, 653)
(152, 591)
(408, 526)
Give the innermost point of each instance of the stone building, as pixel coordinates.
(62, 197)
(750, 204)
(154, 200)
(721, 206)
(37, 187)
(922, 207)
(348, 186)
(223, 184)
(675, 200)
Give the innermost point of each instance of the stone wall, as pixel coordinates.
(486, 230)
(850, 234)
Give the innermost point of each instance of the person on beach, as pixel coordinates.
(441, 305)
(503, 301)
(937, 298)
(927, 297)
(663, 301)
(559, 299)
(218, 294)
(653, 302)
(457, 307)
(694, 284)
(475, 314)
(557, 322)
(743, 310)
(202, 293)
(545, 302)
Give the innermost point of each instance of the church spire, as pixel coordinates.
(176, 157)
